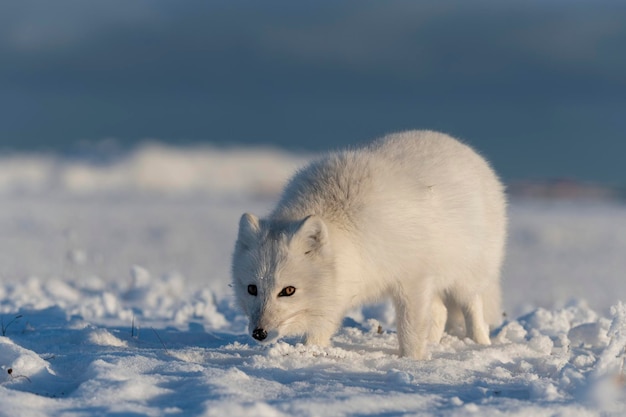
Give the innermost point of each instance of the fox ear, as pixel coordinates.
(249, 228)
(313, 234)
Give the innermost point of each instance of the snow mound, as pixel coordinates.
(19, 364)
(560, 361)
(153, 168)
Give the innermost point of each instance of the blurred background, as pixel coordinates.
(538, 86)
(137, 132)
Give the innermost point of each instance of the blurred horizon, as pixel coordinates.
(538, 87)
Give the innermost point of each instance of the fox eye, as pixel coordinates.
(287, 291)
(252, 289)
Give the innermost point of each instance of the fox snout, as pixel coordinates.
(259, 334)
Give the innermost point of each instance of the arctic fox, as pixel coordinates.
(415, 216)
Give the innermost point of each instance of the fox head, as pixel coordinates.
(280, 271)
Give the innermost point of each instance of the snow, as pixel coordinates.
(114, 299)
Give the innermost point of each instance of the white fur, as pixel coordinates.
(415, 216)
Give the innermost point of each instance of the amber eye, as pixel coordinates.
(287, 291)
(252, 289)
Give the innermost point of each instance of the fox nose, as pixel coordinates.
(259, 334)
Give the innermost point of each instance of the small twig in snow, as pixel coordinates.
(5, 328)
(134, 334)
(160, 340)
(10, 372)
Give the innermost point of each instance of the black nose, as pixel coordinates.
(259, 334)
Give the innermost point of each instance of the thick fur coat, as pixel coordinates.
(416, 216)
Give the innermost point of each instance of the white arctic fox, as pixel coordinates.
(415, 216)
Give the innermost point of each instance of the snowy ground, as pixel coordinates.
(114, 299)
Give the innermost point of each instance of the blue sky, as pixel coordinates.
(537, 86)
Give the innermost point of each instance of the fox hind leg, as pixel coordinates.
(475, 324)
(439, 315)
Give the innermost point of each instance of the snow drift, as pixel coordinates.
(114, 299)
